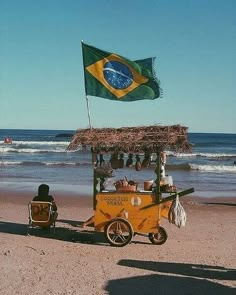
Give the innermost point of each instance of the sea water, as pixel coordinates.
(40, 156)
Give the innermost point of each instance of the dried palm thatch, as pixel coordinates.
(132, 139)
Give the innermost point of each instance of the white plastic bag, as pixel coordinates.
(177, 214)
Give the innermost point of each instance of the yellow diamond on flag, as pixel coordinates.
(116, 75)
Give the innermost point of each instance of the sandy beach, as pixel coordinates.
(198, 258)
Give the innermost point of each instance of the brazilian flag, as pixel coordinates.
(114, 77)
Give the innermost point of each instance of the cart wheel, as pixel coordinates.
(118, 232)
(158, 238)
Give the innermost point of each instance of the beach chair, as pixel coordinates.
(41, 215)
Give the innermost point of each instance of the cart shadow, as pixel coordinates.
(74, 223)
(84, 235)
(91, 236)
(61, 233)
(192, 270)
(165, 285)
(140, 242)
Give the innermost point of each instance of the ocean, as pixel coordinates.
(40, 156)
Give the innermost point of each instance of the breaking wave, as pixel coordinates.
(214, 168)
(38, 163)
(169, 167)
(218, 156)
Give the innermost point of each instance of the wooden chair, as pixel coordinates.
(41, 215)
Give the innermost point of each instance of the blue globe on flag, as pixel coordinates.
(117, 74)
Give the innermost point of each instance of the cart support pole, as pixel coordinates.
(95, 181)
(158, 178)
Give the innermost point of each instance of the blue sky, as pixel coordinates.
(41, 69)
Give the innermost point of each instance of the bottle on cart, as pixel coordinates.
(162, 171)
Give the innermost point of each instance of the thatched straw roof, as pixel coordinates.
(132, 139)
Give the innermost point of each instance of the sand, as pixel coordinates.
(199, 258)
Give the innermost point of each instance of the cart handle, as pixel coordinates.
(170, 198)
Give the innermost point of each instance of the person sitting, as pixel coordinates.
(43, 196)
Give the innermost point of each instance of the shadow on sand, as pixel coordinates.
(221, 204)
(74, 223)
(179, 278)
(192, 270)
(166, 285)
(61, 233)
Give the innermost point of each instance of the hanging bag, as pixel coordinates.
(177, 214)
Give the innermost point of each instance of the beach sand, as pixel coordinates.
(199, 258)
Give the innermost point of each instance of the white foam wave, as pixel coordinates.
(8, 163)
(213, 168)
(60, 163)
(17, 142)
(32, 150)
(184, 155)
(29, 163)
(204, 155)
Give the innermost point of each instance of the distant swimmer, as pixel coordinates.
(234, 162)
(7, 140)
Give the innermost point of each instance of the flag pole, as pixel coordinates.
(87, 101)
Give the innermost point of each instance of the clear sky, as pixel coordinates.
(41, 69)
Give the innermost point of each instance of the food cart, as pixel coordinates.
(128, 210)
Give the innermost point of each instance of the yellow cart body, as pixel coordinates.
(138, 208)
